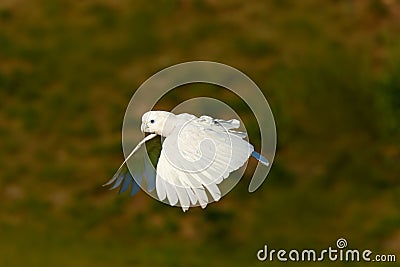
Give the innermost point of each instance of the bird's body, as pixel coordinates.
(197, 155)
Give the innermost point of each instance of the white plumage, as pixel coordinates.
(197, 155)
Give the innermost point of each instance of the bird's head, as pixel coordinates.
(159, 122)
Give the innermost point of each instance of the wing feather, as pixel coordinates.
(171, 193)
(161, 188)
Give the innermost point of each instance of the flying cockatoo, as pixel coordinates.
(197, 155)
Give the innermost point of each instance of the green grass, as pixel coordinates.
(330, 71)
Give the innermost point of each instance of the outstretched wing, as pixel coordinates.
(124, 179)
(141, 167)
(196, 157)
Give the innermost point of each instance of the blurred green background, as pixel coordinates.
(330, 71)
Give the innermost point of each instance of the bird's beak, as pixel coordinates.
(143, 127)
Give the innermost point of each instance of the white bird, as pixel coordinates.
(197, 155)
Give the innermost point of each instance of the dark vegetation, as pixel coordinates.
(331, 73)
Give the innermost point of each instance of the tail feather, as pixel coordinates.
(260, 158)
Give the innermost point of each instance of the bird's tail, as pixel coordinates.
(260, 158)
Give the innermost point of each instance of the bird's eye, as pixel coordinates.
(152, 121)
